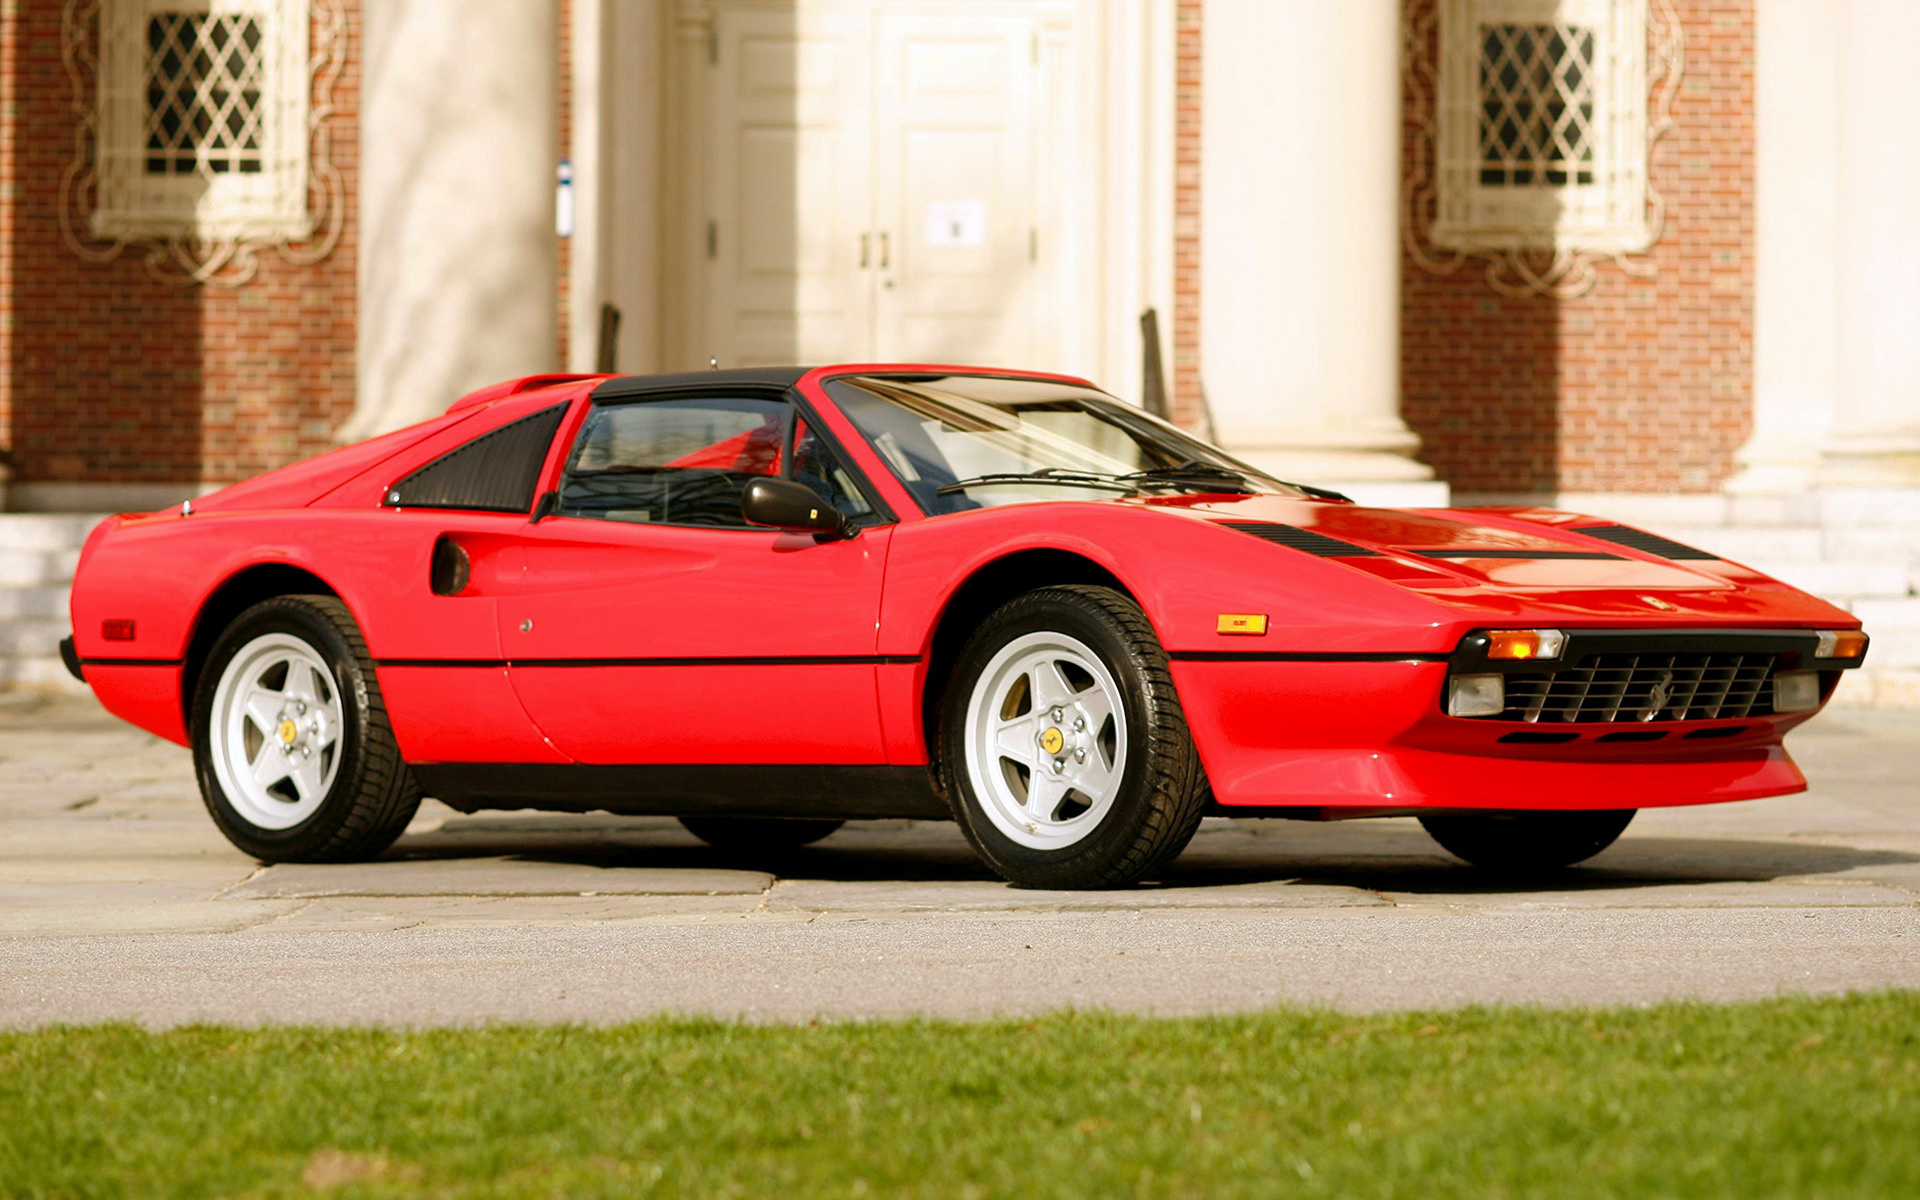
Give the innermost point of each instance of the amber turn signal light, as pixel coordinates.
(1246, 623)
(1841, 643)
(1525, 643)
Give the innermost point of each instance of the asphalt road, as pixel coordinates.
(118, 900)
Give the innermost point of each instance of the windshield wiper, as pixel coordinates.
(1193, 470)
(1053, 475)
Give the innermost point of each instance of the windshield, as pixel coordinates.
(965, 441)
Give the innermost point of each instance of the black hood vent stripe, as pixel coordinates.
(1294, 538)
(1646, 543)
(1522, 554)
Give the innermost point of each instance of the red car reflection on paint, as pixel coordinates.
(768, 601)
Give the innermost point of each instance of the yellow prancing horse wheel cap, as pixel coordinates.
(1052, 740)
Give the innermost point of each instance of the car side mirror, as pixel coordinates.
(544, 506)
(789, 504)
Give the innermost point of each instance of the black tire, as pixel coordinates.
(1161, 787)
(1527, 842)
(373, 795)
(758, 835)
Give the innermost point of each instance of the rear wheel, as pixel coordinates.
(1063, 746)
(1516, 843)
(295, 758)
(758, 834)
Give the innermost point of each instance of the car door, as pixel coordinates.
(432, 562)
(653, 625)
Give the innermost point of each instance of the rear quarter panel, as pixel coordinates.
(160, 570)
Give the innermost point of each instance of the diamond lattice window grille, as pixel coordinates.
(206, 93)
(1536, 105)
(1541, 133)
(202, 120)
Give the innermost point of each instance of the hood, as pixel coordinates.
(1468, 546)
(1517, 563)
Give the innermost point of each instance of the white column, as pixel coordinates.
(1796, 161)
(1300, 243)
(1876, 441)
(457, 267)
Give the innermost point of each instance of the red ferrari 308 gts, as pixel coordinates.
(769, 601)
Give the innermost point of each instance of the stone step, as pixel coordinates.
(32, 637)
(45, 531)
(39, 673)
(1843, 582)
(1743, 545)
(49, 601)
(37, 568)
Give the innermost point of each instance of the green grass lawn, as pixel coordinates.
(1804, 1098)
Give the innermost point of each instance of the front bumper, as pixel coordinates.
(1370, 736)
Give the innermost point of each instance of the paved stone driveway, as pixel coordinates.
(119, 901)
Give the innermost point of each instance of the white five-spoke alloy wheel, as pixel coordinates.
(292, 748)
(276, 729)
(1046, 740)
(1063, 750)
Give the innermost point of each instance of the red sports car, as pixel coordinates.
(769, 601)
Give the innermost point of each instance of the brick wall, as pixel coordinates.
(10, 56)
(108, 375)
(1640, 385)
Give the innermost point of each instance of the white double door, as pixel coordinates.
(873, 185)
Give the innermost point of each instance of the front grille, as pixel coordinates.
(1602, 688)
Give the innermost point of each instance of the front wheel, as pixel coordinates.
(295, 757)
(1521, 842)
(1063, 746)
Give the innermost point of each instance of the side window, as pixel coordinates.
(495, 472)
(675, 461)
(815, 466)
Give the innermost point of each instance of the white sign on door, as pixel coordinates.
(957, 223)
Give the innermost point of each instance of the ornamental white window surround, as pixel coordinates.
(1541, 138)
(1531, 125)
(203, 134)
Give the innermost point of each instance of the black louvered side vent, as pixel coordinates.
(1293, 538)
(495, 472)
(1649, 543)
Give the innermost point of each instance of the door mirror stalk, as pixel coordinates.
(544, 506)
(790, 504)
